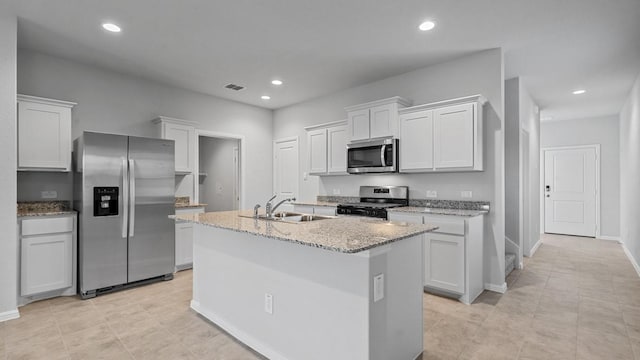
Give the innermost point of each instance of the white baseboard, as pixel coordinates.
(9, 315)
(611, 238)
(535, 248)
(630, 257)
(245, 338)
(496, 288)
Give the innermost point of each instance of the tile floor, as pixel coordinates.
(577, 298)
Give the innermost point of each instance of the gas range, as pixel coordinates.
(375, 200)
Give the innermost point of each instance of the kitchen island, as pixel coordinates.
(339, 288)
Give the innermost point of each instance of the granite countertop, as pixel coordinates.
(44, 208)
(439, 211)
(316, 203)
(347, 234)
(184, 202)
(191, 205)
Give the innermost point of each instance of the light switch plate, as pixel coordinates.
(378, 287)
(51, 194)
(432, 194)
(466, 194)
(268, 303)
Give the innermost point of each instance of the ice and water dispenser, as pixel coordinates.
(105, 201)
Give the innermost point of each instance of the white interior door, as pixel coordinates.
(285, 172)
(570, 190)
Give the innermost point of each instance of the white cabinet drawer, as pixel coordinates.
(446, 225)
(406, 217)
(324, 210)
(47, 225)
(196, 210)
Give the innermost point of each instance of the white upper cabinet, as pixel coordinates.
(453, 140)
(359, 124)
(184, 134)
(44, 134)
(317, 141)
(444, 136)
(337, 138)
(327, 148)
(416, 144)
(375, 119)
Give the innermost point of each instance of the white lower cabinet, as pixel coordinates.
(452, 254)
(444, 262)
(47, 257)
(315, 209)
(184, 239)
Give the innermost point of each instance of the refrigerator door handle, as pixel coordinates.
(132, 197)
(125, 198)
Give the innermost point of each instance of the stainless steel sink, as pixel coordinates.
(291, 217)
(306, 218)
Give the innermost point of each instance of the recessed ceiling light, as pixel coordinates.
(276, 82)
(427, 25)
(111, 27)
(265, 97)
(578, 92)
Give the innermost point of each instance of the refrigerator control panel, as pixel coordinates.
(105, 201)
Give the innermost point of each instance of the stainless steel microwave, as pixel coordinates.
(375, 156)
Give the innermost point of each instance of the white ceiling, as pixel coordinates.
(317, 47)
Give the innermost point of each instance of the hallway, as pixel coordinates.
(577, 298)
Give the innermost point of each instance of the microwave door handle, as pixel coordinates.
(383, 155)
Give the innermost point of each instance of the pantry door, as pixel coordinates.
(285, 168)
(571, 190)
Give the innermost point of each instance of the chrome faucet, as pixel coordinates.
(255, 211)
(271, 209)
(268, 205)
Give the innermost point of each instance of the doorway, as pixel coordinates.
(219, 171)
(571, 190)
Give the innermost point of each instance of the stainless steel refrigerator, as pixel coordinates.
(124, 193)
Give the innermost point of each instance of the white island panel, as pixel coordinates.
(323, 304)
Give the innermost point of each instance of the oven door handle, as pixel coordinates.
(382, 155)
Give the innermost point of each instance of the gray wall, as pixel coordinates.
(630, 172)
(118, 103)
(603, 131)
(530, 123)
(216, 160)
(8, 156)
(512, 160)
(522, 167)
(479, 73)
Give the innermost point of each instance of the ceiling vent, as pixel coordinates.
(234, 87)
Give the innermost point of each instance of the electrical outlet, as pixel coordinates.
(466, 194)
(336, 191)
(268, 303)
(378, 287)
(305, 176)
(432, 194)
(51, 194)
